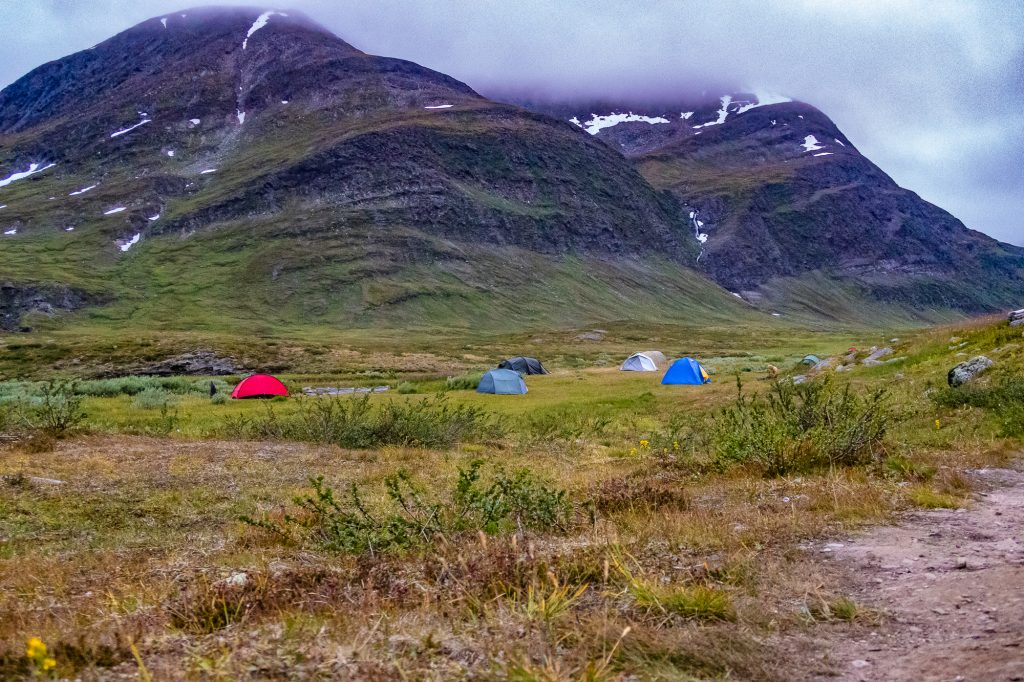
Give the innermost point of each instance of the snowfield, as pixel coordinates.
(32, 170)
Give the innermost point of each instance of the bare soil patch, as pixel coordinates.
(951, 585)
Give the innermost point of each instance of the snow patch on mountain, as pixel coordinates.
(722, 113)
(163, 20)
(762, 99)
(114, 210)
(143, 122)
(686, 115)
(194, 121)
(824, 154)
(83, 190)
(241, 116)
(208, 170)
(810, 144)
(439, 106)
(11, 232)
(260, 22)
(840, 142)
(124, 245)
(33, 168)
(598, 123)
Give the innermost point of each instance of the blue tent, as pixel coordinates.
(686, 371)
(502, 382)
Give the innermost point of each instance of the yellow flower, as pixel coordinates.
(675, 445)
(633, 452)
(644, 443)
(938, 424)
(36, 648)
(49, 663)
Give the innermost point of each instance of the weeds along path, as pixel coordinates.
(951, 585)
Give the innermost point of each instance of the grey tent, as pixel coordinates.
(502, 382)
(659, 358)
(639, 362)
(523, 365)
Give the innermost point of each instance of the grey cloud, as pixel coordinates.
(931, 90)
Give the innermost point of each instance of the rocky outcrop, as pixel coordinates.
(197, 363)
(1016, 318)
(966, 371)
(16, 300)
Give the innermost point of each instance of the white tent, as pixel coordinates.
(639, 362)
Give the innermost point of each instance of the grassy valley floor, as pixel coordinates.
(603, 526)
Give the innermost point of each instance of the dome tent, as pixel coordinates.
(686, 371)
(259, 386)
(639, 362)
(502, 382)
(523, 365)
(810, 360)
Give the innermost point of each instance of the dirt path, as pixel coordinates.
(952, 585)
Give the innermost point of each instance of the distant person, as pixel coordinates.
(213, 389)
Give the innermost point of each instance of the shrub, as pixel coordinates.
(410, 517)
(58, 409)
(153, 399)
(219, 399)
(801, 427)
(565, 424)
(355, 423)
(1005, 398)
(466, 382)
(406, 388)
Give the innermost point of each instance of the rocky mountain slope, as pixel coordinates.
(226, 168)
(790, 213)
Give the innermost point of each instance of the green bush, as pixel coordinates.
(354, 422)
(219, 398)
(801, 427)
(1005, 398)
(57, 410)
(406, 388)
(153, 399)
(466, 382)
(565, 424)
(506, 503)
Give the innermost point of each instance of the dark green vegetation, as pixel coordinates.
(609, 526)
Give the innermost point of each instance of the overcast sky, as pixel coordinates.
(931, 90)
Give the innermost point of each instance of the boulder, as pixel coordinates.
(1016, 318)
(965, 371)
(873, 359)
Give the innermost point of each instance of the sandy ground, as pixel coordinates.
(951, 586)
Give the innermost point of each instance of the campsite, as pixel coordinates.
(637, 521)
(568, 341)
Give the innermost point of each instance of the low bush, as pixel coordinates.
(565, 424)
(406, 388)
(801, 427)
(504, 503)
(356, 423)
(1004, 397)
(57, 410)
(466, 382)
(153, 399)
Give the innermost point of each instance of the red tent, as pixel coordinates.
(259, 386)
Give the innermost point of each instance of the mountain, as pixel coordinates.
(791, 215)
(234, 168)
(250, 167)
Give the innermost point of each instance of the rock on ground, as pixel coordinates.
(966, 371)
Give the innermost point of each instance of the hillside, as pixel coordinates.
(241, 166)
(793, 216)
